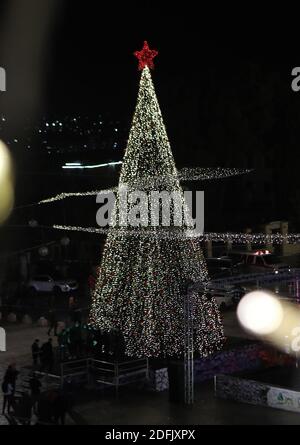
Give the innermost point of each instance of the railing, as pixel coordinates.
(119, 373)
(219, 283)
(260, 277)
(105, 372)
(74, 368)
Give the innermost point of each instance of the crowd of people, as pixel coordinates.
(33, 406)
(43, 357)
(76, 341)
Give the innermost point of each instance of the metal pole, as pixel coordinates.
(62, 375)
(188, 349)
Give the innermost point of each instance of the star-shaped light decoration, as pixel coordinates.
(146, 56)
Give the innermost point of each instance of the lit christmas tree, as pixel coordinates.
(145, 269)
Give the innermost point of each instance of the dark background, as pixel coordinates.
(223, 80)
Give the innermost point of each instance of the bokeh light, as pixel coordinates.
(260, 313)
(6, 183)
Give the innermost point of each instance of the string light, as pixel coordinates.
(63, 196)
(201, 174)
(83, 167)
(185, 174)
(251, 238)
(237, 238)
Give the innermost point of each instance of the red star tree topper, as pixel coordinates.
(146, 56)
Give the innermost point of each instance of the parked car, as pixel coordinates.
(220, 267)
(45, 283)
(258, 261)
(228, 296)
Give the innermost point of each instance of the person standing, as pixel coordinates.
(9, 387)
(73, 307)
(43, 357)
(47, 356)
(61, 340)
(76, 341)
(11, 375)
(35, 390)
(8, 394)
(60, 407)
(52, 322)
(50, 355)
(35, 349)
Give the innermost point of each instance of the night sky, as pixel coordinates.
(223, 81)
(87, 63)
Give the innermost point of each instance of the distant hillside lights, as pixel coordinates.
(2, 80)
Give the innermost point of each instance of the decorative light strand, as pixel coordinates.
(63, 196)
(203, 174)
(252, 238)
(79, 166)
(216, 237)
(185, 174)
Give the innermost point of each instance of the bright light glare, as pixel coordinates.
(260, 313)
(70, 166)
(6, 183)
(4, 161)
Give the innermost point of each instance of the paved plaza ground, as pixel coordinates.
(142, 406)
(135, 407)
(19, 339)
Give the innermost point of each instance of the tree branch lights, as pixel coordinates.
(148, 153)
(143, 279)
